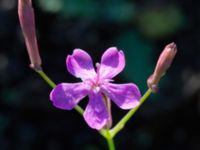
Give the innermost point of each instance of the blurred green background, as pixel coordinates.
(169, 120)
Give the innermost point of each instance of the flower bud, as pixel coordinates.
(164, 62)
(27, 22)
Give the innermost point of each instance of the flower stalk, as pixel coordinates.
(120, 125)
(52, 85)
(110, 141)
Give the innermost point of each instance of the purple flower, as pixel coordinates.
(95, 84)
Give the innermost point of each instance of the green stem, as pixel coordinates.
(79, 109)
(46, 78)
(110, 141)
(52, 84)
(131, 112)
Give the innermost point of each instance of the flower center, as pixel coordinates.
(95, 83)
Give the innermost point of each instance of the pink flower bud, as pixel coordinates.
(27, 22)
(164, 62)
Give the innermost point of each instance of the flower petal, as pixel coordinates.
(80, 65)
(67, 95)
(126, 96)
(112, 63)
(95, 113)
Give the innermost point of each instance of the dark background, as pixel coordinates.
(169, 120)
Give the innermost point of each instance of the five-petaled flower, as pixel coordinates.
(96, 85)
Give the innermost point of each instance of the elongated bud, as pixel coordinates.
(164, 62)
(27, 22)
